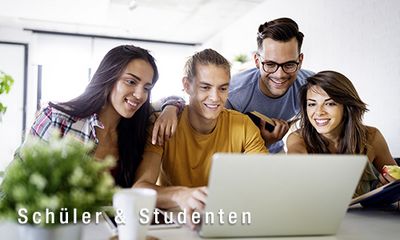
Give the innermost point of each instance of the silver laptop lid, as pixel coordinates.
(285, 195)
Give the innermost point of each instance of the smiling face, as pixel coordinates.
(132, 88)
(324, 113)
(276, 84)
(208, 93)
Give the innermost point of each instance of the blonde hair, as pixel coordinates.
(205, 57)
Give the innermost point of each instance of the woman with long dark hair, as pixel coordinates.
(331, 122)
(112, 112)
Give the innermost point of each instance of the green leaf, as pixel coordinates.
(6, 81)
(3, 108)
(56, 174)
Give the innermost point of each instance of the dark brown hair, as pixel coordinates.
(131, 131)
(353, 136)
(281, 29)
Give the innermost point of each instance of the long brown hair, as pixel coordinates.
(131, 131)
(353, 135)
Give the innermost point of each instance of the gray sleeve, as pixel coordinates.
(171, 100)
(228, 104)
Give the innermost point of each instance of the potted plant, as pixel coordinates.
(53, 185)
(239, 62)
(242, 58)
(6, 81)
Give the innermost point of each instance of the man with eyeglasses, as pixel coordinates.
(271, 87)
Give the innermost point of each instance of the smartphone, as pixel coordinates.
(256, 116)
(163, 221)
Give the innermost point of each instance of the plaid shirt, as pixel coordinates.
(50, 120)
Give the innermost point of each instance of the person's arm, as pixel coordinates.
(295, 143)
(44, 125)
(254, 143)
(167, 197)
(187, 198)
(146, 177)
(280, 130)
(382, 157)
(167, 121)
(176, 101)
(228, 104)
(165, 125)
(382, 153)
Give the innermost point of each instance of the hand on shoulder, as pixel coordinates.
(165, 125)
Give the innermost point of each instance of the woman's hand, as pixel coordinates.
(389, 174)
(392, 170)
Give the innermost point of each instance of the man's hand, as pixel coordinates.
(192, 199)
(165, 125)
(281, 128)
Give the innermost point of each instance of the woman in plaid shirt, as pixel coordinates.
(112, 111)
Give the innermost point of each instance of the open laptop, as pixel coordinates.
(285, 195)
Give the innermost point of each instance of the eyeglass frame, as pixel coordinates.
(280, 65)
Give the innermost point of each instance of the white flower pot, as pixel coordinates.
(63, 232)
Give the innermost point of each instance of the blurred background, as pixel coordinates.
(52, 47)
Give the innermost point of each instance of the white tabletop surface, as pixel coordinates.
(359, 223)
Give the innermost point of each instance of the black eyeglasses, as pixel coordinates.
(287, 67)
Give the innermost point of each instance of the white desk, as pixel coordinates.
(358, 224)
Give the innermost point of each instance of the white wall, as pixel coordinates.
(11, 122)
(359, 38)
(66, 61)
(14, 34)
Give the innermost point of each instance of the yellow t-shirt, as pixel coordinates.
(186, 157)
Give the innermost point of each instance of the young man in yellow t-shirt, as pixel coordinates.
(204, 128)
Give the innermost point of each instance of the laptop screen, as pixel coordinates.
(279, 195)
